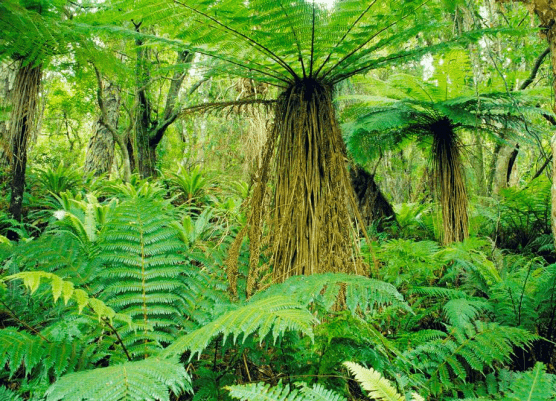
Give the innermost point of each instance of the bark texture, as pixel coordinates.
(373, 205)
(22, 124)
(100, 152)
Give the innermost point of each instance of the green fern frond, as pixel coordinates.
(534, 385)
(66, 290)
(264, 392)
(474, 347)
(460, 312)
(280, 392)
(40, 356)
(151, 379)
(372, 381)
(8, 395)
(361, 293)
(272, 315)
(143, 274)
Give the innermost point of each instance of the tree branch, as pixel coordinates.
(535, 70)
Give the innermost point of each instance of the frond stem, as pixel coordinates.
(371, 38)
(256, 44)
(344, 37)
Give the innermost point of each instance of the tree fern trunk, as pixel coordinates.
(373, 205)
(311, 230)
(448, 170)
(100, 152)
(23, 119)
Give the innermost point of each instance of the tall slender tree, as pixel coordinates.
(546, 12)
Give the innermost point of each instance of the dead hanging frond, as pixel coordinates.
(309, 225)
(233, 105)
(247, 88)
(450, 180)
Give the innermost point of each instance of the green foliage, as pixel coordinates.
(362, 294)
(449, 360)
(534, 385)
(147, 380)
(270, 315)
(280, 392)
(8, 395)
(378, 387)
(193, 185)
(58, 179)
(141, 277)
(66, 290)
(42, 359)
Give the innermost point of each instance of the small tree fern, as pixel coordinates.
(422, 111)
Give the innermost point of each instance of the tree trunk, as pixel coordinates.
(100, 152)
(501, 176)
(7, 77)
(373, 206)
(22, 123)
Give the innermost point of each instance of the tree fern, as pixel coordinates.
(151, 379)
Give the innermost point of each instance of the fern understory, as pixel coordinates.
(127, 298)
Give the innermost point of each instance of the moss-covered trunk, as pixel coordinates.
(22, 123)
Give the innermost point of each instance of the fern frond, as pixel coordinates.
(45, 358)
(280, 392)
(534, 385)
(8, 395)
(272, 315)
(67, 291)
(143, 273)
(361, 293)
(151, 379)
(461, 312)
(474, 347)
(372, 381)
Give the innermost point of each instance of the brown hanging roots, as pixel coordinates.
(310, 229)
(448, 171)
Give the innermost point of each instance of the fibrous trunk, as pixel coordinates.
(23, 120)
(373, 205)
(308, 220)
(448, 170)
(100, 152)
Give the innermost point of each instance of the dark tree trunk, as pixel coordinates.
(22, 123)
(100, 152)
(148, 131)
(373, 206)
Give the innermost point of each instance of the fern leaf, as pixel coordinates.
(273, 315)
(8, 395)
(66, 290)
(534, 385)
(263, 392)
(372, 381)
(362, 293)
(319, 393)
(147, 380)
(280, 392)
